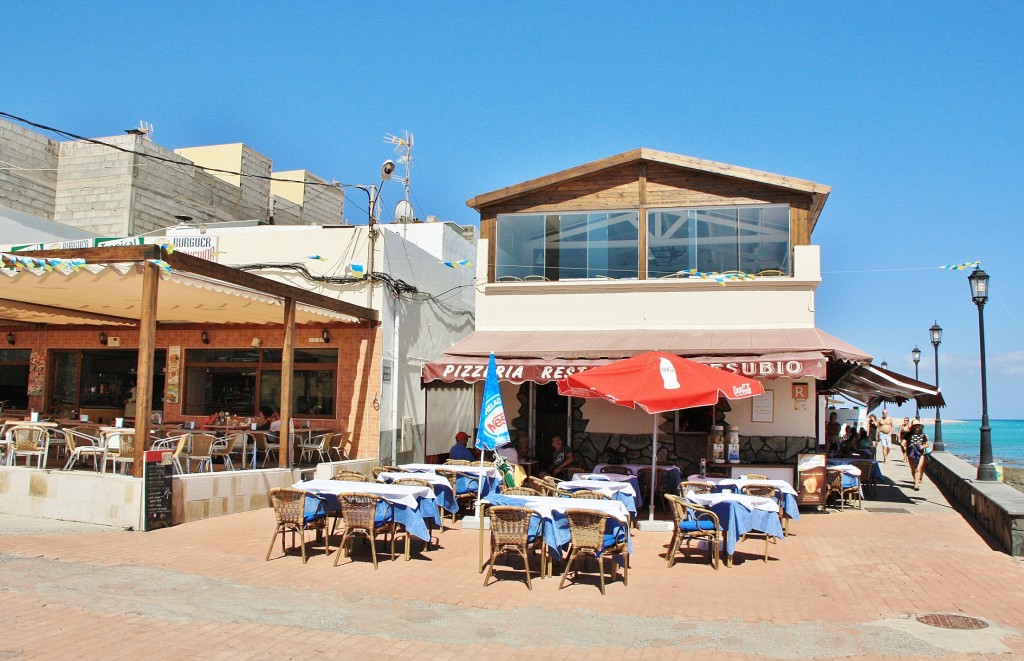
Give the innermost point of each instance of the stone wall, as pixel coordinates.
(206, 495)
(997, 507)
(89, 497)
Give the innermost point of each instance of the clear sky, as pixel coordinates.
(910, 111)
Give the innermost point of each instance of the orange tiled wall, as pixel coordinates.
(359, 366)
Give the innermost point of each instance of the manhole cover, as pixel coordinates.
(951, 621)
(888, 510)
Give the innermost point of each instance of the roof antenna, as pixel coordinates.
(404, 212)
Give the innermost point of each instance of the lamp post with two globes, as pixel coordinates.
(915, 355)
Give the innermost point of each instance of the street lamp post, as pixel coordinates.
(979, 292)
(915, 355)
(936, 335)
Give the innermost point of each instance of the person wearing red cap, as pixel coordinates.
(459, 450)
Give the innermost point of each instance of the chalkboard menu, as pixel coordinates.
(157, 480)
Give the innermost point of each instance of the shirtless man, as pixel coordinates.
(885, 434)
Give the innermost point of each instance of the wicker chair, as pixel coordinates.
(540, 486)
(268, 445)
(510, 533)
(359, 511)
(290, 509)
(617, 469)
(468, 497)
(660, 484)
(377, 470)
(764, 491)
(695, 486)
(587, 529)
(349, 475)
(588, 494)
(81, 444)
(120, 449)
(339, 447)
(867, 476)
(458, 462)
(518, 491)
(222, 449)
(29, 441)
(692, 522)
(200, 452)
(844, 486)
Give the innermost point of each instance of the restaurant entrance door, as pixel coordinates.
(551, 418)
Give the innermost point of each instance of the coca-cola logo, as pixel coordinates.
(743, 390)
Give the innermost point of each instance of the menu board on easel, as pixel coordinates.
(810, 479)
(157, 484)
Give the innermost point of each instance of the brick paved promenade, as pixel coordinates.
(844, 584)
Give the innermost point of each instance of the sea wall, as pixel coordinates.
(996, 507)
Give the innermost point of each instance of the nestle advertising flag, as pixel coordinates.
(493, 430)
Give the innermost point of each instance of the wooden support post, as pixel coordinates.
(144, 371)
(287, 382)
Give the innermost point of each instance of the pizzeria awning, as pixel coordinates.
(543, 356)
(873, 385)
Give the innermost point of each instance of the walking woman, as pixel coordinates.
(918, 449)
(904, 436)
(873, 433)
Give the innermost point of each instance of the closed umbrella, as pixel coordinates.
(658, 382)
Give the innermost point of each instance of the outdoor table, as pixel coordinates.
(836, 462)
(414, 506)
(788, 494)
(621, 491)
(672, 479)
(468, 476)
(739, 514)
(443, 492)
(555, 524)
(616, 477)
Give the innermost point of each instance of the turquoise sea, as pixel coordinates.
(962, 438)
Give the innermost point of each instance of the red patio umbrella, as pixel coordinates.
(658, 382)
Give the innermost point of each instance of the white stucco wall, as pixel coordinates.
(783, 302)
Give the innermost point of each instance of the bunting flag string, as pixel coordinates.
(961, 267)
(164, 266)
(45, 263)
(457, 264)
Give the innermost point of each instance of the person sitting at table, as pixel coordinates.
(262, 418)
(562, 459)
(459, 451)
(864, 444)
(210, 420)
(275, 420)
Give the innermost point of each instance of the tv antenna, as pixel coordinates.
(403, 147)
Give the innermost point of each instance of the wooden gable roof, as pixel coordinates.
(816, 193)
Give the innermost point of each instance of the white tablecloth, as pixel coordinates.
(782, 485)
(488, 470)
(611, 477)
(845, 468)
(409, 496)
(749, 502)
(606, 487)
(546, 506)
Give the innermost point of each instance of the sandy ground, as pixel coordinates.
(1014, 477)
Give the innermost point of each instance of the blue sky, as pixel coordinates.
(910, 111)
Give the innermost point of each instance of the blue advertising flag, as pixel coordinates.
(493, 428)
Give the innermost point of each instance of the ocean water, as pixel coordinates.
(963, 438)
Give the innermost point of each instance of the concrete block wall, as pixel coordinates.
(94, 186)
(206, 495)
(28, 170)
(89, 497)
(113, 193)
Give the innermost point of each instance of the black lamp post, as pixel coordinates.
(936, 334)
(979, 292)
(915, 355)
